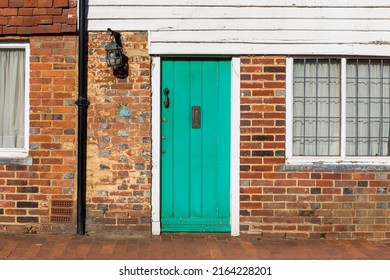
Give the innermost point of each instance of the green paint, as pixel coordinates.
(195, 192)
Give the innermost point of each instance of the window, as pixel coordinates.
(14, 100)
(338, 110)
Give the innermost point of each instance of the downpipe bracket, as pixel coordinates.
(82, 102)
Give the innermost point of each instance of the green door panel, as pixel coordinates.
(195, 180)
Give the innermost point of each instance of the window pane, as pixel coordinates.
(12, 98)
(316, 99)
(368, 107)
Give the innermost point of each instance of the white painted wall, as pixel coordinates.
(251, 26)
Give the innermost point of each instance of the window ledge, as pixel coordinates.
(16, 161)
(334, 167)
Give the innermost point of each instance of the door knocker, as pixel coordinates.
(166, 101)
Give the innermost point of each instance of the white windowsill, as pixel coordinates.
(15, 157)
(337, 163)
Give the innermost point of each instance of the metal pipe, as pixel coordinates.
(82, 103)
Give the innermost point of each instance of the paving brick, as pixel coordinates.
(184, 246)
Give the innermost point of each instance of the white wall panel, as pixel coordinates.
(265, 3)
(167, 12)
(252, 25)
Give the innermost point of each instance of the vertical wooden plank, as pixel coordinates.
(181, 135)
(210, 127)
(223, 185)
(196, 140)
(167, 142)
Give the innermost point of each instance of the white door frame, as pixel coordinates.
(234, 146)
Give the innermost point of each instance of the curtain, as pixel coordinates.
(317, 97)
(12, 98)
(368, 107)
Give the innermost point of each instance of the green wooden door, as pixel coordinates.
(195, 142)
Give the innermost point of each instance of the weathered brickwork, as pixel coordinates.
(276, 202)
(119, 137)
(27, 190)
(25, 17)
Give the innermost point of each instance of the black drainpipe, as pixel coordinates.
(82, 103)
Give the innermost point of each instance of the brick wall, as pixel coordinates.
(275, 202)
(27, 191)
(298, 204)
(119, 146)
(38, 194)
(25, 17)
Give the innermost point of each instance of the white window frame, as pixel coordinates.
(15, 153)
(343, 158)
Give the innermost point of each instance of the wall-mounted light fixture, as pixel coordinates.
(114, 56)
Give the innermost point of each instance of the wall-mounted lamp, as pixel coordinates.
(114, 56)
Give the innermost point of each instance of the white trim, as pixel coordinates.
(78, 16)
(342, 159)
(343, 113)
(14, 45)
(181, 48)
(338, 160)
(149, 42)
(156, 132)
(27, 102)
(234, 146)
(250, 3)
(289, 106)
(23, 152)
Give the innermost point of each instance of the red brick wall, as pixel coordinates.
(119, 144)
(274, 202)
(298, 204)
(38, 194)
(24, 17)
(27, 191)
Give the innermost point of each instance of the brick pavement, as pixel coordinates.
(184, 247)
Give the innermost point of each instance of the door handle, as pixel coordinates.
(195, 116)
(166, 101)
